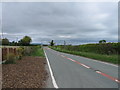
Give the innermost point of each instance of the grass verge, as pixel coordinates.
(28, 51)
(106, 58)
(38, 52)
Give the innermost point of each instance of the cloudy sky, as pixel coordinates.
(75, 22)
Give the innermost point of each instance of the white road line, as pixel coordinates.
(62, 56)
(71, 59)
(98, 72)
(85, 65)
(53, 79)
(75, 61)
(117, 81)
(91, 59)
(95, 60)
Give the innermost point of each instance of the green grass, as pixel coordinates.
(38, 52)
(106, 58)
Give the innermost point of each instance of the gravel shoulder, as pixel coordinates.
(30, 72)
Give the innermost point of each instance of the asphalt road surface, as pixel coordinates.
(71, 71)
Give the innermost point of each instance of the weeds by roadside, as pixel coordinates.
(11, 57)
(11, 60)
(38, 51)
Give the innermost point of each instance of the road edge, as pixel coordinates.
(51, 72)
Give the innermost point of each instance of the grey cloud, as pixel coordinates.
(46, 21)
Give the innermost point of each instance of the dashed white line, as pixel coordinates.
(71, 59)
(51, 72)
(97, 61)
(98, 72)
(76, 62)
(62, 56)
(85, 65)
(117, 81)
(103, 74)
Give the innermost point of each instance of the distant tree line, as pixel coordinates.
(52, 43)
(25, 41)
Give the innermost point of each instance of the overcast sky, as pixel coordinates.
(78, 22)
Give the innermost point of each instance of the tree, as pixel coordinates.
(52, 43)
(5, 41)
(13, 43)
(25, 41)
(102, 41)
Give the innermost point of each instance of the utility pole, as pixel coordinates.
(64, 44)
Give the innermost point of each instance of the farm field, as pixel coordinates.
(107, 52)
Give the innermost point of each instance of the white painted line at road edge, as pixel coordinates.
(53, 79)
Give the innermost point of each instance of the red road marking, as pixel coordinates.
(103, 74)
(110, 77)
(71, 59)
(76, 61)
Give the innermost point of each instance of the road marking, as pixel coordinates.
(91, 59)
(117, 81)
(103, 74)
(71, 59)
(51, 73)
(85, 65)
(95, 60)
(76, 61)
(110, 77)
(98, 72)
(62, 55)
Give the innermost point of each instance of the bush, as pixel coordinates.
(20, 52)
(11, 59)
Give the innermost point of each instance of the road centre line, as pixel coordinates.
(103, 74)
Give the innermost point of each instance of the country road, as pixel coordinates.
(71, 71)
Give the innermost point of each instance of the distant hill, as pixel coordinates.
(39, 44)
(36, 43)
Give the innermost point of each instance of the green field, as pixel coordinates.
(107, 52)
